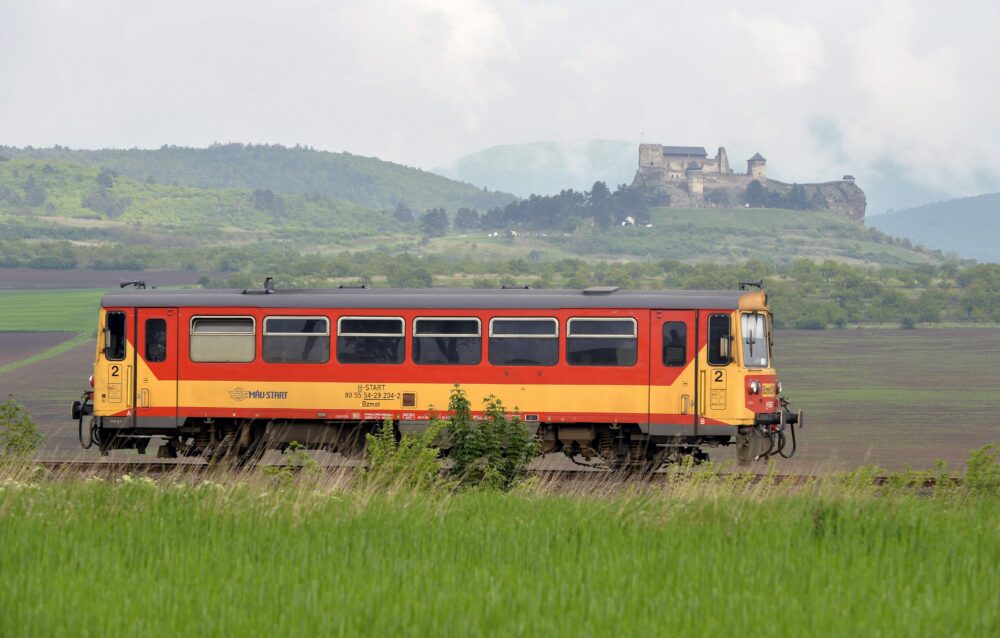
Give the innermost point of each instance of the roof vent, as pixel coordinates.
(268, 288)
(513, 287)
(600, 290)
(353, 287)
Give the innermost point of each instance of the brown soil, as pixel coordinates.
(29, 278)
(15, 346)
(47, 388)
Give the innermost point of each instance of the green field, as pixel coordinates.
(49, 310)
(245, 556)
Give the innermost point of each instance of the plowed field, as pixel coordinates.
(15, 346)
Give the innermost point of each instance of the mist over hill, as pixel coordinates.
(969, 227)
(366, 181)
(546, 168)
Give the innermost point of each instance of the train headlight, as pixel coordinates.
(779, 387)
(755, 387)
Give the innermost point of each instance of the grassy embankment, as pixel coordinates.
(252, 555)
(73, 311)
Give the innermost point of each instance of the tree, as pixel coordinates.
(466, 220)
(434, 223)
(718, 197)
(599, 200)
(403, 213)
(265, 200)
(797, 199)
(34, 193)
(106, 178)
(756, 195)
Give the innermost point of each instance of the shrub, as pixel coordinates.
(982, 473)
(492, 453)
(19, 436)
(411, 460)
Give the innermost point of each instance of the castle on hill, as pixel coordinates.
(692, 179)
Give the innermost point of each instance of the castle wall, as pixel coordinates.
(717, 185)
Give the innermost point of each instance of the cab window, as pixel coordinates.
(753, 331)
(719, 339)
(114, 336)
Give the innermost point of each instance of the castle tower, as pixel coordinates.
(695, 179)
(723, 158)
(757, 168)
(650, 155)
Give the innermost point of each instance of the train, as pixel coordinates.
(608, 377)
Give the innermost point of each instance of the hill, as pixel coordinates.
(705, 235)
(168, 226)
(545, 168)
(968, 227)
(365, 181)
(62, 200)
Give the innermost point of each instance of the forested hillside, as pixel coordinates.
(968, 226)
(366, 181)
(61, 200)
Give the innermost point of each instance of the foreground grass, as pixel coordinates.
(320, 556)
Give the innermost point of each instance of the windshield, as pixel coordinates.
(753, 328)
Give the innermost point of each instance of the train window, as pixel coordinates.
(447, 340)
(718, 340)
(370, 340)
(674, 343)
(223, 339)
(753, 330)
(296, 340)
(600, 341)
(524, 341)
(156, 340)
(114, 336)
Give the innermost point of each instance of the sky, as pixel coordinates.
(899, 90)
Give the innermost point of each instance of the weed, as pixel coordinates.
(19, 437)
(411, 459)
(493, 452)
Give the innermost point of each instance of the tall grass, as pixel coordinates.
(247, 554)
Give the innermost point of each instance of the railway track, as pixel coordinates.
(582, 477)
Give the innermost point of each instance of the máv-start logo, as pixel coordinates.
(240, 394)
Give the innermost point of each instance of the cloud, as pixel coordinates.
(821, 89)
(790, 53)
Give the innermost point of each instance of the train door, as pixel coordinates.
(156, 367)
(717, 392)
(672, 372)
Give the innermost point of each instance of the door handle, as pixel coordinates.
(704, 391)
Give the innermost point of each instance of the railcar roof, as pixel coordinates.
(427, 298)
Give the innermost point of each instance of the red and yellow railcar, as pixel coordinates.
(627, 377)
